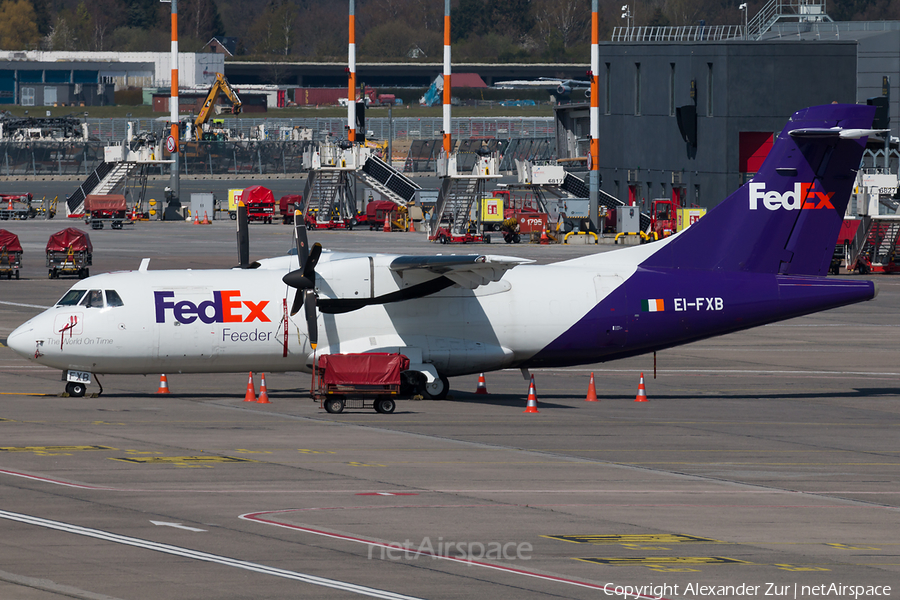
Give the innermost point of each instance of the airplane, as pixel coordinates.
(562, 88)
(760, 256)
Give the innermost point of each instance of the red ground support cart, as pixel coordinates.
(379, 210)
(358, 381)
(107, 208)
(287, 205)
(260, 203)
(10, 254)
(69, 252)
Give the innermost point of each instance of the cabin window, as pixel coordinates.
(113, 298)
(71, 298)
(93, 299)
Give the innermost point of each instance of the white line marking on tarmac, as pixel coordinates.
(51, 586)
(176, 526)
(256, 517)
(25, 305)
(777, 492)
(203, 556)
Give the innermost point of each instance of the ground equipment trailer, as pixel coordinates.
(10, 254)
(358, 381)
(69, 252)
(16, 206)
(108, 209)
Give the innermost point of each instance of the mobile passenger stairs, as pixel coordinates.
(457, 215)
(134, 158)
(869, 236)
(330, 200)
(566, 197)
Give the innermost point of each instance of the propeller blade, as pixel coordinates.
(312, 327)
(300, 239)
(298, 302)
(309, 270)
(243, 236)
(298, 280)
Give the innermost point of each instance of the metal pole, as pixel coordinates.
(594, 161)
(351, 68)
(448, 144)
(173, 103)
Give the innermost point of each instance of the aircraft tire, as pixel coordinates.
(385, 406)
(438, 389)
(75, 389)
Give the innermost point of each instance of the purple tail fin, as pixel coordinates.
(787, 218)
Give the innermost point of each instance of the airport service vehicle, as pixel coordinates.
(16, 206)
(10, 254)
(69, 252)
(668, 217)
(760, 256)
(287, 205)
(372, 380)
(107, 208)
(260, 203)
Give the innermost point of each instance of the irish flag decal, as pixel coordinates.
(652, 305)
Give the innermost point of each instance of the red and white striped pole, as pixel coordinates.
(594, 180)
(447, 141)
(351, 67)
(173, 102)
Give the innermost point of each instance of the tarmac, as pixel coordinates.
(764, 464)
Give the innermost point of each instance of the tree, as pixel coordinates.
(18, 25)
(562, 22)
(61, 37)
(199, 19)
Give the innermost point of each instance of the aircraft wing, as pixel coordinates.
(468, 271)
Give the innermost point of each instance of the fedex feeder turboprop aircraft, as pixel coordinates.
(761, 256)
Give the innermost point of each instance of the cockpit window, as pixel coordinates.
(93, 299)
(113, 299)
(71, 298)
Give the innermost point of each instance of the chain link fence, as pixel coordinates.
(266, 147)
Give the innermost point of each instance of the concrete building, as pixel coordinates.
(740, 93)
(31, 78)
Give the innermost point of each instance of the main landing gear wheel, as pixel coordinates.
(75, 389)
(334, 405)
(385, 406)
(438, 389)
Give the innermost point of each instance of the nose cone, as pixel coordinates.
(22, 340)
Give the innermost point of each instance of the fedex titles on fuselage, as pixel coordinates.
(226, 306)
(803, 196)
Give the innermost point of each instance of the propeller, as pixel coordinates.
(304, 279)
(243, 239)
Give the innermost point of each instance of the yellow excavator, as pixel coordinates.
(221, 86)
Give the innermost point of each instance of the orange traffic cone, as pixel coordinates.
(263, 393)
(545, 239)
(196, 219)
(642, 391)
(531, 407)
(163, 385)
(482, 387)
(592, 391)
(205, 220)
(387, 222)
(250, 396)
(412, 226)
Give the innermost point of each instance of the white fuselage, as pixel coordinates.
(236, 320)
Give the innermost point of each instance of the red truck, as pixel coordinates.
(260, 203)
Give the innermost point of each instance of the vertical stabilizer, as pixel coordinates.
(787, 218)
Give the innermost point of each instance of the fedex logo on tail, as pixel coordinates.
(225, 307)
(803, 196)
